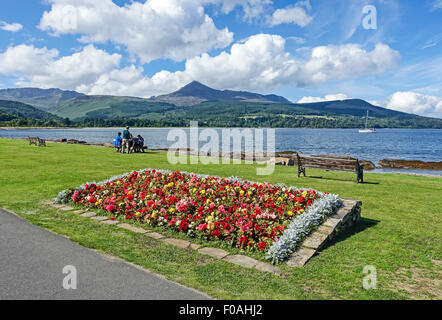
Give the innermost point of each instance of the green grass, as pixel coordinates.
(400, 232)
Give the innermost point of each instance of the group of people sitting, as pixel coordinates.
(126, 142)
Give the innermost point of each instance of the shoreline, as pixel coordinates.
(377, 170)
(277, 128)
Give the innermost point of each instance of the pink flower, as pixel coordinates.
(75, 196)
(182, 206)
(110, 207)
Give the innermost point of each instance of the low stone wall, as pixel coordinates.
(344, 219)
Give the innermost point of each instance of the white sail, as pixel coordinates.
(367, 130)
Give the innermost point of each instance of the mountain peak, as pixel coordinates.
(195, 92)
(196, 84)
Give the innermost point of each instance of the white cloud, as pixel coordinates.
(347, 61)
(298, 40)
(44, 68)
(416, 103)
(289, 15)
(437, 5)
(12, 27)
(252, 8)
(259, 63)
(329, 97)
(155, 29)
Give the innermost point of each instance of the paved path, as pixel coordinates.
(32, 261)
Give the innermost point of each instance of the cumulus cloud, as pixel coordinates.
(151, 30)
(346, 61)
(12, 27)
(259, 63)
(416, 103)
(44, 68)
(291, 14)
(329, 97)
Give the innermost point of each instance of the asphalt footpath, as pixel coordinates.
(37, 264)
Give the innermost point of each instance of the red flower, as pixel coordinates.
(262, 245)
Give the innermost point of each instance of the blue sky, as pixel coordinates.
(304, 50)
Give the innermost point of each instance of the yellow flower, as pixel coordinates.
(194, 190)
(241, 192)
(209, 218)
(154, 214)
(279, 199)
(290, 213)
(250, 193)
(203, 191)
(172, 210)
(170, 184)
(304, 194)
(138, 214)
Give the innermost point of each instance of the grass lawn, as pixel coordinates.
(400, 233)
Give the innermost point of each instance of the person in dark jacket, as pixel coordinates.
(141, 143)
(126, 139)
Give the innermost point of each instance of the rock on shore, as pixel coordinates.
(410, 164)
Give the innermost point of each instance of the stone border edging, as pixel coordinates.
(341, 220)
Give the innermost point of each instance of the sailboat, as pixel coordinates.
(367, 130)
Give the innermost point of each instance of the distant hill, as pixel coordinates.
(109, 107)
(355, 107)
(21, 110)
(196, 93)
(40, 98)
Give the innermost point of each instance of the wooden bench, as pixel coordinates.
(37, 141)
(329, 164)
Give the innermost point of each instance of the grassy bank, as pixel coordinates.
(400, 233)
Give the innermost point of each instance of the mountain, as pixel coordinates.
(21, 110)
(40, 98)
(196, 93)
(210, 107)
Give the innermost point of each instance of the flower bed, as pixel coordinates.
(244, 215)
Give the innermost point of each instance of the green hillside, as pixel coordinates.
(16, 109)
(109, 107)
